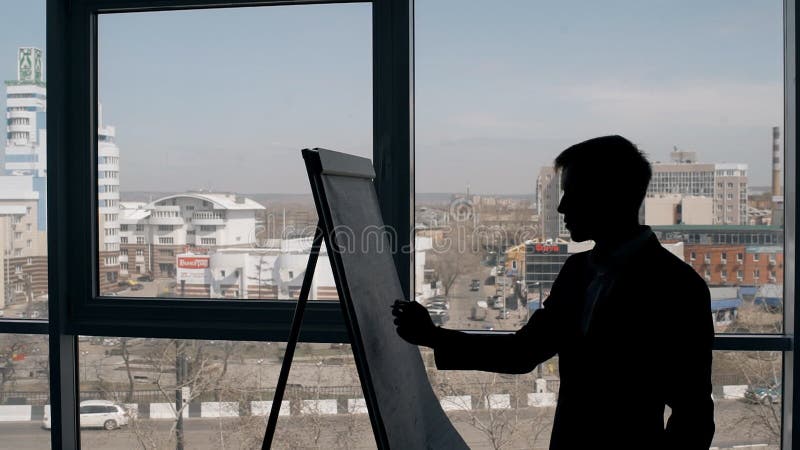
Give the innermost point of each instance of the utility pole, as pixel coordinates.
(539, 306)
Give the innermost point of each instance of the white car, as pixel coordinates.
(96, 414)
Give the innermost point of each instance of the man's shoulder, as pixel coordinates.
(663, 264)
(575, 260)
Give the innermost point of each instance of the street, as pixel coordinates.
(462, 300)
(202, 433)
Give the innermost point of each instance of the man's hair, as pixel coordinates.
(610, 163)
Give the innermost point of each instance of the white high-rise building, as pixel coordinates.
(23, 182)
(26, 105)
(24, 166)
(108, 203)
(108, 186)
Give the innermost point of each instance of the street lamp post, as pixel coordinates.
(539, 306)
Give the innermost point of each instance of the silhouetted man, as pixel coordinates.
(630, 322)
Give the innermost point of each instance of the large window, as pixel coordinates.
(203, 137)
(698, 87)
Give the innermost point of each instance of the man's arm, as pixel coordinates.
(519, 352)
(691, 424)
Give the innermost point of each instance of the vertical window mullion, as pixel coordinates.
(393, 126)
(790, 420)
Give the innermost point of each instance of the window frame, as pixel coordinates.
(75, 305)
(76, 308)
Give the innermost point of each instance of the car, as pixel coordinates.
(439, 304)
(126, 283)
(498, 302)
(137, 287)
(763, 394)
(96, 414)
(475, 285)
(145, 277)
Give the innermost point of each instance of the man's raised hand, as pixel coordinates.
(413, 323)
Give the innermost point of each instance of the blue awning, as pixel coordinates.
(725, 303)
(747, 290)
(772, 302)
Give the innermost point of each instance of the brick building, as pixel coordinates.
(736, 265)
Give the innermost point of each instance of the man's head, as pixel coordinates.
(604, 181)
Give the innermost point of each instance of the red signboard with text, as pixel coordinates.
(193, 262)
(549, 248)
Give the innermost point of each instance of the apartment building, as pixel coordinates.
(724, 183)
(736, 265)
(152, 235)
(548, 195)
(23, 183)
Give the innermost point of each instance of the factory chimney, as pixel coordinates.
(776, 162)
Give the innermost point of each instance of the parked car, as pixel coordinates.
(475, 285)
(498, 302)
(477, 313)
(145, 277)
(137, 287)
(97, 414)
(763, 394)
(129, 284)
(441, 304)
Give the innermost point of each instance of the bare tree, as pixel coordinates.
(126, 359)
(498, 421)
(448, 266)
(13, 345)
(760, 417)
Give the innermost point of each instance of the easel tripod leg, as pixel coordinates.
(294, 334)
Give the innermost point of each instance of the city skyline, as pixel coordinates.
(184, 123)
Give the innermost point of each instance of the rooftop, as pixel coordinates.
(221, 200)
(718, 228)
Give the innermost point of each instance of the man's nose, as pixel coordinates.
(560, 208)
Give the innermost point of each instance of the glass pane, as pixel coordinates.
(497, 411)
(516, 411)
(226, 392)
(24, 391)
(201, 187)
(23, 165)
(748, 398)
(696, 86)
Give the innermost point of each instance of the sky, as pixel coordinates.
(225, 99)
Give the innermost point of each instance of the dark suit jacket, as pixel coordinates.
(648, 345)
